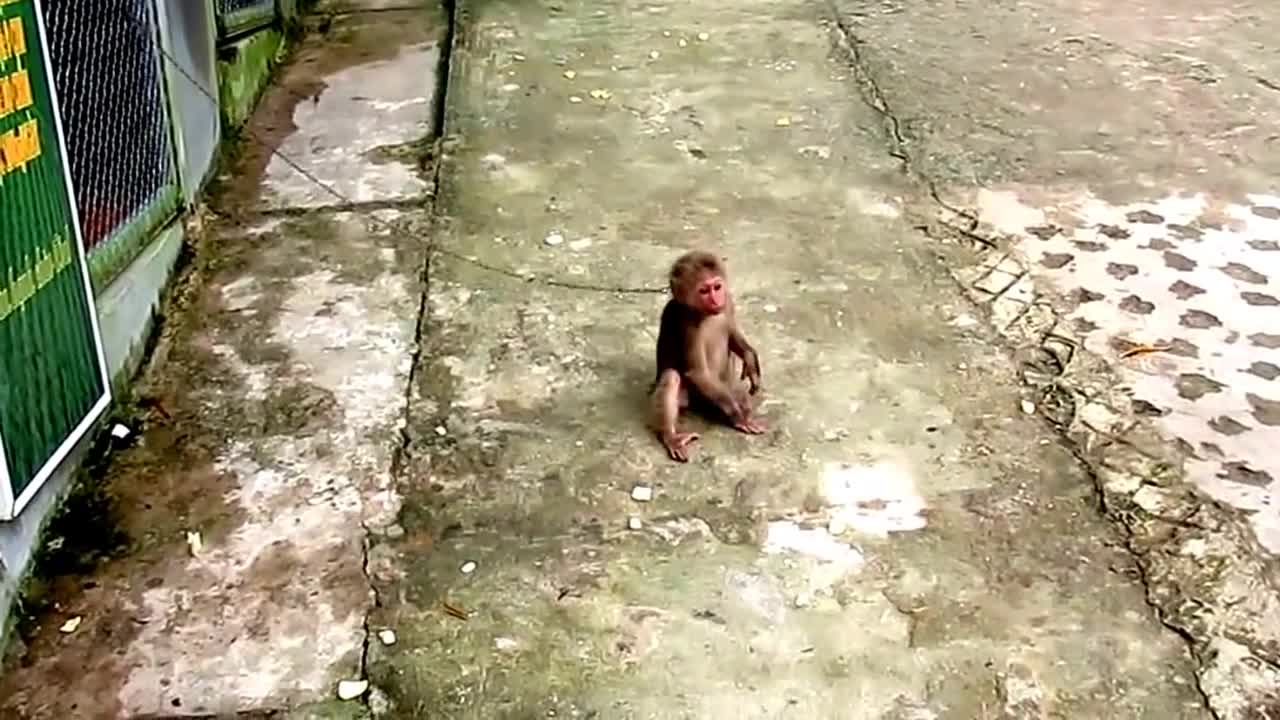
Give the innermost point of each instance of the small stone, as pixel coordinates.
(120, 432)
(352, 689)
(804, 600)
(510, 87)
(388, 637)
(581, 244)
(517, 57)
(569, 74)
(554, 239)
(575, 99)
(468, 567)
(505, 644)
(683, 43)
(633, 523)
(395, 531)
(601, 94)
(642, 493)
(654, 54)
(70, 626)
(783, 121)
(666, 33)
(771, 308)
(1028, 407)
(441, 431)
(704, 36)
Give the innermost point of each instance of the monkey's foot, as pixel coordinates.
(751, 426)
(677, 445)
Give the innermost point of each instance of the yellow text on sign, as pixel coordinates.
(13, 39)
(16, 290)
(19, 147)
(15, 92)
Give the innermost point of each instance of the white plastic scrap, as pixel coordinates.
(352, 689)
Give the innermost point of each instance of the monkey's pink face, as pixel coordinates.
(709, 295)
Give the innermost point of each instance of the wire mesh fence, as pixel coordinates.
(237, 16)
(106, 66)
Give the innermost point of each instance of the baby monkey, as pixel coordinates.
(697, 340)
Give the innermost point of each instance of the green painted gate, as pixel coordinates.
(53, 378)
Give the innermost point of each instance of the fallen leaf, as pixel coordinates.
(1143, 350)
(194, 543)
(454, 611)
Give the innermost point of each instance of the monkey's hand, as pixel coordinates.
(743, 418)
(751, 370)
(677, 444)
(750, 426)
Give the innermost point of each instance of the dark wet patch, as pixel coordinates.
(1088, 245)
(1199, 320)
(299, 406)
(1243, 273)
(1083, 326)
(1264, 245)
(1266, 211)
(1146, 409)
(1120, 271)
(1264, 370)
(1044, 232)
(1227, 426)
(1193, 386)
(1084, 295)
(1114, 232)
(1053, 261)
(1258, 299)
(1185, 232)
(1144, 216)
(1160, 244)
(1265, 411)
(1178, 261)
(1184, 447)
(415, 153)
(1181, 348)
(1244, 474)
(1136, 305)
(1265, 340)
(1184, 290)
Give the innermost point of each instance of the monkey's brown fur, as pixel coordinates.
(697, 340)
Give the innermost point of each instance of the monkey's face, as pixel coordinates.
(708, 294)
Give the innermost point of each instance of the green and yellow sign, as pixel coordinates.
(53, 380)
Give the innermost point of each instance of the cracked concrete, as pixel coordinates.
(905, 543)
(961, 510)
(1114, 169)
(277, 396)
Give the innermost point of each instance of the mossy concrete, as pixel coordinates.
(242, 78)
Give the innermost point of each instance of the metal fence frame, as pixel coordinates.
(259, 14)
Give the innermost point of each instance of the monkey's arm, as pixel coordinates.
(739, 346)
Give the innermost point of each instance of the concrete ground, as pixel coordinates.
(963, 508)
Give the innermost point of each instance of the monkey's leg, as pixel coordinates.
(668, 398)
